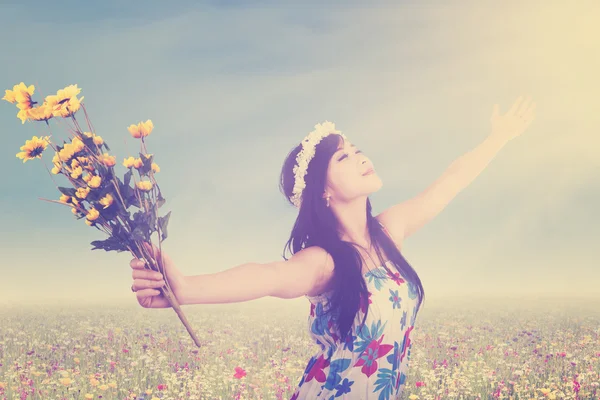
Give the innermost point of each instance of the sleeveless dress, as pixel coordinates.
(373, 362)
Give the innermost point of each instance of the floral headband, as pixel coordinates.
(306, 155)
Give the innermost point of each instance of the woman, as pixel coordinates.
(364, 296)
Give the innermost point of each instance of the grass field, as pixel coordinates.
(462, 349)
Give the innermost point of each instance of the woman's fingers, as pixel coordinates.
(146, 274)
(141, 284)
(146, 293)
(136, 263)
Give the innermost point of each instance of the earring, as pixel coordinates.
(328, 200)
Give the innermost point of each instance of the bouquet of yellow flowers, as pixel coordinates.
(97, 194)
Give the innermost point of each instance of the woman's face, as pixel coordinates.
(345, 179)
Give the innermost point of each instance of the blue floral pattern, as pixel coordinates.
(373, 361)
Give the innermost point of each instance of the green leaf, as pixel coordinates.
(139, 234)
(127, 177)
(160, 199)
(110, 244)
(146, 164)
(162, 223)
(67, 191)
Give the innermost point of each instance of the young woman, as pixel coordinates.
(364, 296)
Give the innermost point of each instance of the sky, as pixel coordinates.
(232, 87)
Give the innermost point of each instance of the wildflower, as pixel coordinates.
(65, 381)
(40, 113)
(107, 160)
(76, 173)
(21, 94)
(142, 129)
(95, 182)
(106, 200)
(93, 214)
(82, 192)
(138, 163)
(65, 102)
(239, 373)
(144, 185)
(128, 162)
(155, 168)
(33, 148)
(97, 139)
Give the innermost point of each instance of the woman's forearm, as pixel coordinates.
(244, 282)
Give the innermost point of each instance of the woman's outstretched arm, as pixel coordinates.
(299, 275)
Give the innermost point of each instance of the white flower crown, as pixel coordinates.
(306, 154)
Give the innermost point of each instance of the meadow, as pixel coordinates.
(518, 348)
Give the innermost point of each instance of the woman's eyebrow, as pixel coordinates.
(353, 146)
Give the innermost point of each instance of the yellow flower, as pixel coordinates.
(141, 129)
(74, 163)
(97, 139)
(66, 153)
(74, 211)
(67, 108)
(10, 95)
(144, 185)
(82, 192)
(94, 382)
(106, 200)
(155, 168)
(55, 170)
(78, 144)
(23, 115)
(103, 387)
(65, 381)
(76, 172)
(33, 148)
(56, 159)
(40, 113)
(87, 165)
(20, 94)
(92, 214)
(88, 223)
(89, 396)
(95, 182)
(68, 92)
(64, 198)
(129, 162)
(65, 103)
(107, 160)
(112, 385)
(76, 360)
(138, 163)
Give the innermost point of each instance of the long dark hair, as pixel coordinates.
(316, 225)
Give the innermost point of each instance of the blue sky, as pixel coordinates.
(232, 87)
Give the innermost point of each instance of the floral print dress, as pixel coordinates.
(373, 361)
